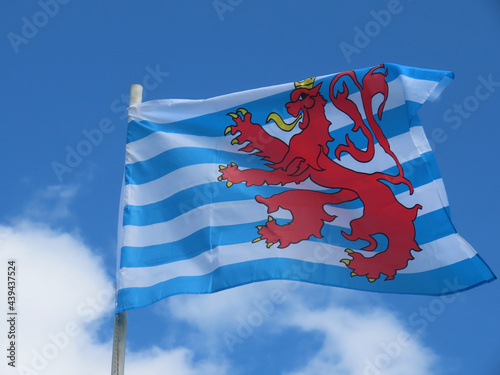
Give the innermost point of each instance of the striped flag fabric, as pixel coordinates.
(330, 180)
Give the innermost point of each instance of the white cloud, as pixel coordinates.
(223, 311)
(177, 361)
(51, 203)
(369, 343)
(356, 341)
(213, 313)
(63, 297)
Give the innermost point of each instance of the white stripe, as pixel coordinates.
(158, 142)
(225, 255)
(403, 146)
(250, 211)
(186, 178)
(441, 192)
(174, 110)
(170, 184)
(416, 90)
(445, 251)
(423, 195)
(190, 176)
(218, 214)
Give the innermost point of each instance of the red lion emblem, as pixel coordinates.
(306, 156)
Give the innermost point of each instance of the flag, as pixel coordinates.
(330, 180)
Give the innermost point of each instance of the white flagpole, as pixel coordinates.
(120, 331)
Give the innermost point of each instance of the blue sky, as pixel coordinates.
(67, 67)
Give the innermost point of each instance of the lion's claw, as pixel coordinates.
(358, 266)
(228, 173)
(236, 115)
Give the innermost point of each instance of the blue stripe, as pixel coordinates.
(433, 226)
(217, 192)
(417, 73)
(199, 242)
(213, 124)
(394, 122)
(431, 164)
(167, 162)
(189, 199)
(446, 280)
(171, 160)
(428, 227)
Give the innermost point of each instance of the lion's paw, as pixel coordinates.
(361, 266)
(229, 173)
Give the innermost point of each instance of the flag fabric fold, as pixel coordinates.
(330, 181)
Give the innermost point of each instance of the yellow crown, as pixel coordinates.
(305, 84)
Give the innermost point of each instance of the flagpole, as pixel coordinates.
(120, 330)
